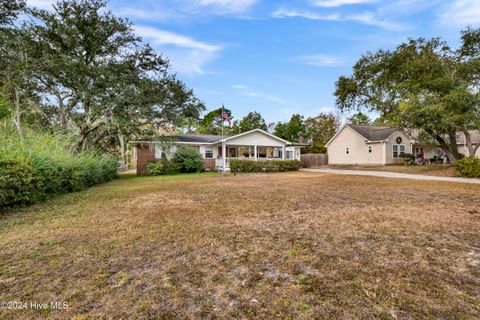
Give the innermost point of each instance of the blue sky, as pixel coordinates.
(282, 57)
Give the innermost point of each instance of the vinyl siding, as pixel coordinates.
(348, 138)
(255, 138)
(393, 140)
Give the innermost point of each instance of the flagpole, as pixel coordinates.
(223, 145)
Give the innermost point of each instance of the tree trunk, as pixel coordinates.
(123, 154)
(63, 113)
(468, 141)
(18, 114)
(452, 136)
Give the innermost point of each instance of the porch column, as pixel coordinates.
(255, 152)
(283, 153)
(224, 157)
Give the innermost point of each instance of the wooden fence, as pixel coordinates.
(311, 160)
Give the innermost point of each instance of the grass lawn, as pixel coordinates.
(292, 245)
(444, 170)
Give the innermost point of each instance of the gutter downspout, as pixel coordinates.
(384, 149)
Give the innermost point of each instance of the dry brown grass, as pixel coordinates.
(294, 245)
(444, 170)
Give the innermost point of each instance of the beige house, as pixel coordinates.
(368, 145)
(430, 150)
(374, 145)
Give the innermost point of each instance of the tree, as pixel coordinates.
(422, 84)
(106, 85)
(18, 64)
(211, 123)
(253, 120)
(320, 130)
(359, 118)
(9, 10)
(294, 130)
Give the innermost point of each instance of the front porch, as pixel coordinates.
(254, 153)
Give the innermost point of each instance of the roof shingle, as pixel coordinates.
(374, 133)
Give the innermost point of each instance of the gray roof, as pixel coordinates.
(374, 133)
(200, 138)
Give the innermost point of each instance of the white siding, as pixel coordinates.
(173, 148)
(255, 138)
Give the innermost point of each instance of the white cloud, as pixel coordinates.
(226, 6)
(320, 60)
(187, 55)
(406, 7)
(287, 13)
(461, 13)
(371, 19)
(338, 3)
(248, 91)
(367, 18)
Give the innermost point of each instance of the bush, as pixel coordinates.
(42, 165)
(163, 167)
(238, 166)
(408, 158)
(468, 167)
(188, 159)
(19, 182)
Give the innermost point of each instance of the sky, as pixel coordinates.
(282, 57)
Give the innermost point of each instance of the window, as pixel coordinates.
(347, 150)
(289, 154)
(370, 149)
(398, 149)
(208, 153)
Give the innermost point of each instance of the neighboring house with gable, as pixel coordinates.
(376, 145)
(253, 145)
(368, 145)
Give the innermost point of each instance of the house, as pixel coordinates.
(376, 145)
(252, 145)
(368, 145)
(432, 149)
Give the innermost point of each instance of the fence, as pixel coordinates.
(310, 160)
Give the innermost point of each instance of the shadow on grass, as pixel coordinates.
(85, 200)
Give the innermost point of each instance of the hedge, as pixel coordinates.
(243, 166)
(468, 167)
(163, 167)
(43, 165)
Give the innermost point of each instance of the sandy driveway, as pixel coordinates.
(394, 175)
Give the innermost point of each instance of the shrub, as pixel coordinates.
(188, 159)
(19, 182)
(245, 166)
(468, 167)
(163, 167)
(408, 158)
(42, 165)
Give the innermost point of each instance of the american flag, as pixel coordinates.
(226, 117)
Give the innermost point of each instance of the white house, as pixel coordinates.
(252, 145)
